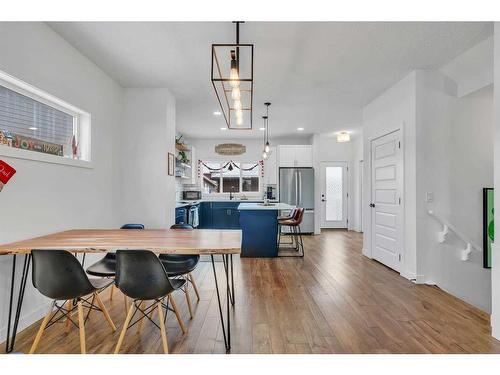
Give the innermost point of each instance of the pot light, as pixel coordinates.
(32, 128)
(217, 113)
(224, 128)
(262, 129)
(300, 129)
(343, 137)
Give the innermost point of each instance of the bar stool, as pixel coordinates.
(181, 266)
(290, 216)
(106, 267)
(294, 224)
(57, 274)
(141, 276)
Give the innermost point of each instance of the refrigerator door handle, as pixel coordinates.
(300, 188)
(296, 188)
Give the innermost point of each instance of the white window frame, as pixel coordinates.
(221, 178)
(81, 125)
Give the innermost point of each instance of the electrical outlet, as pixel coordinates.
(429, 197)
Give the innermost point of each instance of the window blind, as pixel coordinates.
(22, 115)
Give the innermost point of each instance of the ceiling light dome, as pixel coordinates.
(343, 137)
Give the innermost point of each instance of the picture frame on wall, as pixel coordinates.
(488, 225)
(171, 164)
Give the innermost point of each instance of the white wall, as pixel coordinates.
(392, 110)
(454, 162)
(327, 149)
(43, 198)
(147, 135)
(495, 269)
(441, 156)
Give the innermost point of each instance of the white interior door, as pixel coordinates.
(386, 199)
(334, 194)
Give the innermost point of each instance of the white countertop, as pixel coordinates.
(256, 206)
(193, 202)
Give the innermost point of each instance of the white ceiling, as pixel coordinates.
(317, 75)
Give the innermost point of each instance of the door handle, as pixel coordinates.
(372, 205)
(323, 200)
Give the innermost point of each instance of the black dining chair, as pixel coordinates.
(141, 276)
(58, 274)
(106, 267)
(181, 266)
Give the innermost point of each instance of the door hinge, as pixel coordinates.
(399, 200)
(399, 256)
(399, 144)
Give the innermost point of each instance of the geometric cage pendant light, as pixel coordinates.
(232, 80)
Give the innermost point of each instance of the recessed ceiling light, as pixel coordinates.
(300, 129)
(262, 129)
(217, 113)
(224, 128)
(32, 128)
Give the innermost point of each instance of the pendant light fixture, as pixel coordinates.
(265, 154)
(232, 79)
(267, 146)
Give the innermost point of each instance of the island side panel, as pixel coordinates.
(260, 232)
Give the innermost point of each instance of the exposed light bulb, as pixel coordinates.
(267, 148)
(236, 93)
(239, 113)
(237, 105)
(239, 121)
(264, 155)
(234, 75)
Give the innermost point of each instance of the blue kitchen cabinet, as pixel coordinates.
(205, 215)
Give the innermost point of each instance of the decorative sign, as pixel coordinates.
(488, 225)
(6, 173)
(230, 149)
(32, 144)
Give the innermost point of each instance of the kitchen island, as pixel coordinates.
(259, 225)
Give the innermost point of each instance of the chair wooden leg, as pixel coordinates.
(163, 329)
(104, 311)
(195, 287)
(176, 311)
(81, 325)
(125, 303)
(141, 322)
(188, 300)
(69, 306)
(112, 289)
(124, 329)
(41, 330)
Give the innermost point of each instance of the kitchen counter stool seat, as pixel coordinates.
(58, 274)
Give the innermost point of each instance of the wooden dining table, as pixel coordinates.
(211, 242)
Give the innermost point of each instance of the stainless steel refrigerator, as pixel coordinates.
(296, 187)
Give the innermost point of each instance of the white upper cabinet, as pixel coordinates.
(271, 168)
(295, 156)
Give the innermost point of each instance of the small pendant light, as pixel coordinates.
(265, 154)
(267, 147)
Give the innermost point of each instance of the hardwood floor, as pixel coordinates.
(332, 301)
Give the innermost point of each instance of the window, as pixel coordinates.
(233, 177)
(32, 120)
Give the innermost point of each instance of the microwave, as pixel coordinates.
(191, 195)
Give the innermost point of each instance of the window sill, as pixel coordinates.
(18, 153)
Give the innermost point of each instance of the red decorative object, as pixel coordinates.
(6, 173)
